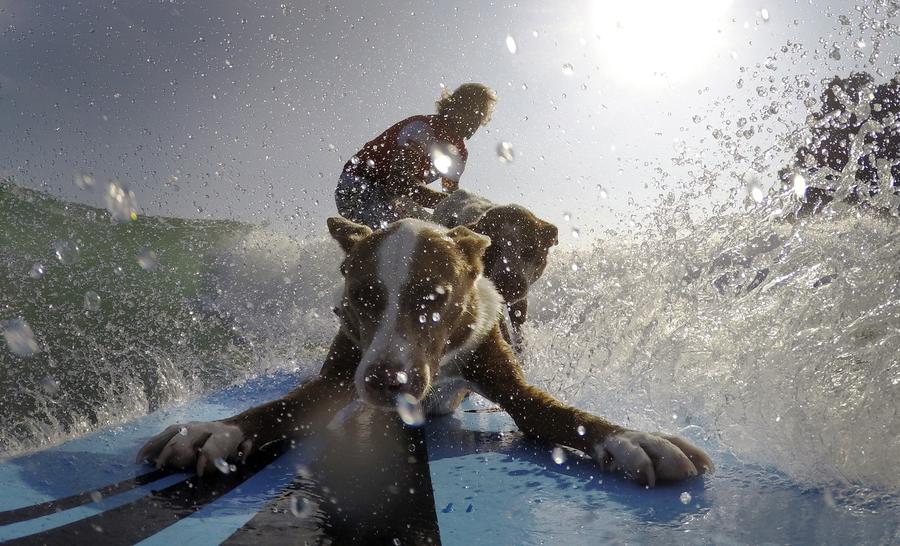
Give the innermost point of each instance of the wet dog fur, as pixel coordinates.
(520, 241)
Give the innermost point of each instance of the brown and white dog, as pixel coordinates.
(419, 322)
(519, 244)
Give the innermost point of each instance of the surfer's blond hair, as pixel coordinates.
(469, 96)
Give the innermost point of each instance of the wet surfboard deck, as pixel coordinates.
(470, 478)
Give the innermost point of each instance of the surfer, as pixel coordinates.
(387, 179)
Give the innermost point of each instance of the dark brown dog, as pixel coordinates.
(420, 327)
(520, 242)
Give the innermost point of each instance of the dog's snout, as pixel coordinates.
(385, 382)
(386, 378)
(511, 284)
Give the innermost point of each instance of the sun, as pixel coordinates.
(657, 41)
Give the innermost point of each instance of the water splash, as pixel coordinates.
(729, 326)
(511, 44)
(121, 202)
(147, 259)
(67, 252)
(91, 301)
(558, 455)
(301, 507)
(505, 152)
(19, 337)
(410, 410)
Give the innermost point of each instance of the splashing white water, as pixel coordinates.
(779, 342)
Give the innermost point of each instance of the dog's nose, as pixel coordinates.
(384, 382)
(383, 378)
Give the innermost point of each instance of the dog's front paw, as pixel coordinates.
(207, 445)
(648, 458)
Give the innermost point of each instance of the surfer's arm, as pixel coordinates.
(641, 456)
(427, 197)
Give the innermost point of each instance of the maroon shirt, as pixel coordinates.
(445, 152)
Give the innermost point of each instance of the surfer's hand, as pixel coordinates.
(206, 444)
(648, 458)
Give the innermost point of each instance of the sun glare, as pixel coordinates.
(647, 41)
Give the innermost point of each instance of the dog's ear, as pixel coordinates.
(550, 234)
(347, 233)
(472, 244)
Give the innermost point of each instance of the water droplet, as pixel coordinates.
(568, 69)
(91, 301)
(221, 465)
(685, 498)
(19, 337)
(511, 44)
(799, 186)
(50, 385)
(410, 410)
(37, 271)
(755, 189)
(835, 53)
(524, 87)
(147, 259)
(183, 431)
(67, 252)
(861, 43)
(696, 119)
(300, 507)
(121, 202)
(354, 160)
(422, 319)
(435, 317)
(96, 496)
(603, 193)
(402, 377)
(764, 13)
(558, 454)
(575, 233)
(574, 266)
(505, 152)
(567, 216)
(84, 181)
(581, 430)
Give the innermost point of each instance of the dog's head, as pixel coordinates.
(413, 295)
(518, 252)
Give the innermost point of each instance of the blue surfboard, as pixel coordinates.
(470, 478)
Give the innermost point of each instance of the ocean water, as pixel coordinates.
(775, 341)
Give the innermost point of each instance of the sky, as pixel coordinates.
(248, 110)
